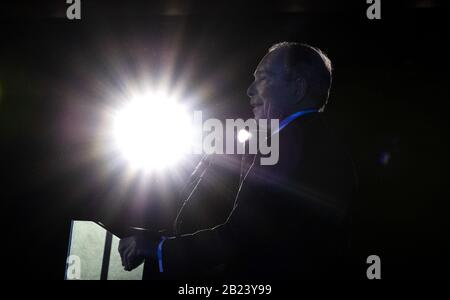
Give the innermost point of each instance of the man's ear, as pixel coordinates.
(301, 86)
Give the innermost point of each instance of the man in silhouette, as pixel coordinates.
(287, 220)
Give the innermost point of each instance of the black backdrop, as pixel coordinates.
(388, 100)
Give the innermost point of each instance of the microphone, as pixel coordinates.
(191, 185)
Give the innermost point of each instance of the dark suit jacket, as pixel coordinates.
(289, 219)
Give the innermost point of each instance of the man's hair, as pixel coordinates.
(311, 64)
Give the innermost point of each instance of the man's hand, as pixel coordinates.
(135, 249)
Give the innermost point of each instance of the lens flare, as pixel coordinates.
(243, 135)
(152, 132)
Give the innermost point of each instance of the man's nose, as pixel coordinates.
(251, 90)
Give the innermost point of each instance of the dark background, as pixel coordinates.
(388, 100)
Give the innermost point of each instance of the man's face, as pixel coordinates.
(272, 94)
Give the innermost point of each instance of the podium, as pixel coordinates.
(93, 255)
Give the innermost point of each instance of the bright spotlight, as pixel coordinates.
(152, 131)
(243, 135)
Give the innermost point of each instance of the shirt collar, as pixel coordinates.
(292, 117)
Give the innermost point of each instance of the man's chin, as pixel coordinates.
(258, 117)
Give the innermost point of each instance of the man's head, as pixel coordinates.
(291, 77)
